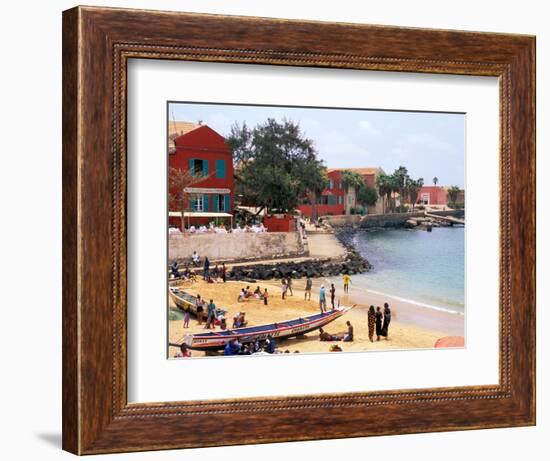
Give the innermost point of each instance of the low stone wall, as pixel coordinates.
(343, 220)
(235, 247)
(399, 219)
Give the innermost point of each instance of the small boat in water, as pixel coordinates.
(185, 301)
(215, 341)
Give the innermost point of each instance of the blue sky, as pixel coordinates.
(428, 144)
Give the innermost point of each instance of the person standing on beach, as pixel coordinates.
(332, 295)
(284, 287)
(379, 317)
(289, 284)
(387, 320)
(347, 281)
(371, 322)
(199, 305)
(186, 316)
(206, 268)
(322, 299)
(309, 284)
(211, 314)
(265, 296)
(223, 272)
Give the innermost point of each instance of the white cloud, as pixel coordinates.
(368, 127)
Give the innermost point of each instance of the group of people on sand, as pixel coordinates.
(246, 294)
(234, 347)
(379, 322)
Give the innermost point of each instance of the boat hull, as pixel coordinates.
(280, 330)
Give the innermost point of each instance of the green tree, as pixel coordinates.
(452, 195)
(275, 165)
(435, 180)
(384, 185)
(367, 195)
(413, 187)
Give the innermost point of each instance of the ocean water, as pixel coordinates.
(426, 268)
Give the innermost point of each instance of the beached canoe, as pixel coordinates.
(215, 341)
(185, 301)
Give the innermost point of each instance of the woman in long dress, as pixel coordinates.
(387, 320)
(379, 317)
(372, 321)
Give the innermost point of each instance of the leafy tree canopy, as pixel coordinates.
(275, 164)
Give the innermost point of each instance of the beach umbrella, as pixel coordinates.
(450, 341)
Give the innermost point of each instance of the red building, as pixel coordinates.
(335, 199)
(332, 199)
(199, 149)
(432, 195)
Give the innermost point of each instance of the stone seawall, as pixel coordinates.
(383, 220)
(230, 247)
(399, 219)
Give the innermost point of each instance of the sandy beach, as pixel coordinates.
(412, 326)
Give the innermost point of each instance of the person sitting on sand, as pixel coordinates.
(270, 345)
(387, 320)
(265, 296)
(248, 292)
(379, 317)
(195, 258)
(223, 323)
(242, 296)
(371, 322)
(349, 336)
(183, 352)
(174, 270)
(254, 346)
(324, 336)
(239, 320)
(232, 347)
(258, 292)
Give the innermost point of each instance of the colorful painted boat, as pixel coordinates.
(215, 341)
(185, 301)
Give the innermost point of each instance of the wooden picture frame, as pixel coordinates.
(97, 43)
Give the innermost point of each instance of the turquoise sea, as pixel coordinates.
(426, 268)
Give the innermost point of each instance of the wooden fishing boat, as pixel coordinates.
(215, 341)
(184, 301)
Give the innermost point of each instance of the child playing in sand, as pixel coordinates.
(186, 316)
(265, 297)
(347, 281)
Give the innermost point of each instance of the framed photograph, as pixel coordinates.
(284, 230)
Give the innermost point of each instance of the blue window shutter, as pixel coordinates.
(205, 167)
(227, 203)
(220, 169)
(205, 202)
(339, 200)
(332, 200)
(192, 204)
(215, 202)
(191, 166)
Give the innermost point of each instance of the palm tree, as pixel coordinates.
(384, 189)
(452, 194)
(435, 180)
(401, 177)
(350, 179)
(413, 189)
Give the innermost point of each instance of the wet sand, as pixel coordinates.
(412, 326)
